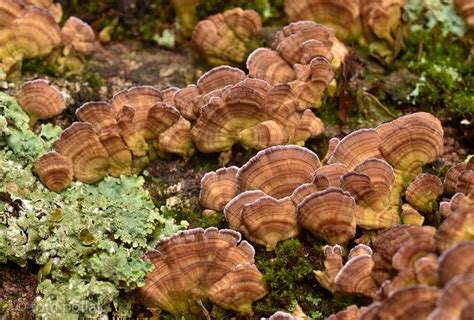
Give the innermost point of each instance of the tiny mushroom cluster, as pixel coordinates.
(198, 265)
(30, 29)
(223, 38)
(285, 188)
(373, 23)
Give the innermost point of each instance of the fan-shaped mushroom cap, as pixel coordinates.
(451, 178)
(356, 147)
(465, 6)
(31, 34)
(89, 157)
(41, 100)
(342, 16)
(54, 9)
(456, 261)
(141, 99)
(268, 220)
(456, 296)
(356, 276)
(177, 139)
(333, 173)
(351, 312)
(267, 64)
(131, 135)
(318, 183)
(309, 126)
(411, 141)
(218, 188)
(280, 315)
(79, 35)
(205, 257)
(265, 134)
(332, 144)
(329, 214)
(238, 289)
(411, 303)
(98, 113)
(465, 179)
(413, 249)
(457, 227)
(233, 208)
(278, 170)
(359, 250)
(55, 171)
(426, 269)
(411, 216)
(403, 279)
(222, 37)
(10, 10)
(424, 191)
(332, 264)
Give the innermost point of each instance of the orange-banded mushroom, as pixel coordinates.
(133, 138)
(238, 289)
(32, 33)
(456, 300)
(10, 10)
(456, 261)
(370, 185)
(265, 134)
(79, 35)
(54, 9)
(457, 227)
(177, 139)
(40, 100)
(411, 216)
(318, 183)
(424, 191)
(267, 221)
(410, 142)
(426, 269)
(332, 264)
(89, 157)
(356, 276)
(329, 214)
(356, 147)
(413, 249)
(278, 170)
(233, 208)
(222, 38)
(451, 177)
(218, 188)
(55, 171)
(209, 258)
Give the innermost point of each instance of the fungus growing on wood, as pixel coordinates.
(424, 191)
(233, 209)
(89, 157)
(79, 35)
(411, 216)
(54, 9)
(211, 259)
(457, 227)
(222, 38)
(351, 312)
(55, 171)
(278, 170)
(40, 100)
(332, 264)
(451, 177)
(456, 300)
(457, 260)
(329, 214)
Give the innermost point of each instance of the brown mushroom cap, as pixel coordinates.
(133, 137)
(456, 261)
(268, 221)
(457, 227)
(55, 171)
(79, 35)
(411, 141)
(329, 214)
(177, 139)
(465, 182)
(233, 208)
(41, 100)
(278, 170)
(267, 64)
(31, 34)
(54, 9)
(465, 7)
(424, 191)
(451, 177)
(351, 312)
(238, 289)
(356, 147)
(411, 303)
(280, 315)
(206, 257)
(263, 135)
(89, 157)
(318, 183)
(412, 250)
(218, 188)
(456, 296)
(356, 276)
(10, 10)
(426, 269)
(332, 264)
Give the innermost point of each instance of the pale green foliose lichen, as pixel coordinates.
(89, 238)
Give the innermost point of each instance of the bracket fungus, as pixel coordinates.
(40, 100)
(301, 58)
(456, 261)
(79, 35)
(423, 192)
(333, 262)
(223, 38)
(372, 23)
(218, 188)
(55, 171)
(458, 226)
(456, 300)
(215, 266)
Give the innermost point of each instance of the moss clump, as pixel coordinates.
(288, 273)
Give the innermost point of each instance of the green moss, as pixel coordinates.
(39, 65)
(288, 273)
